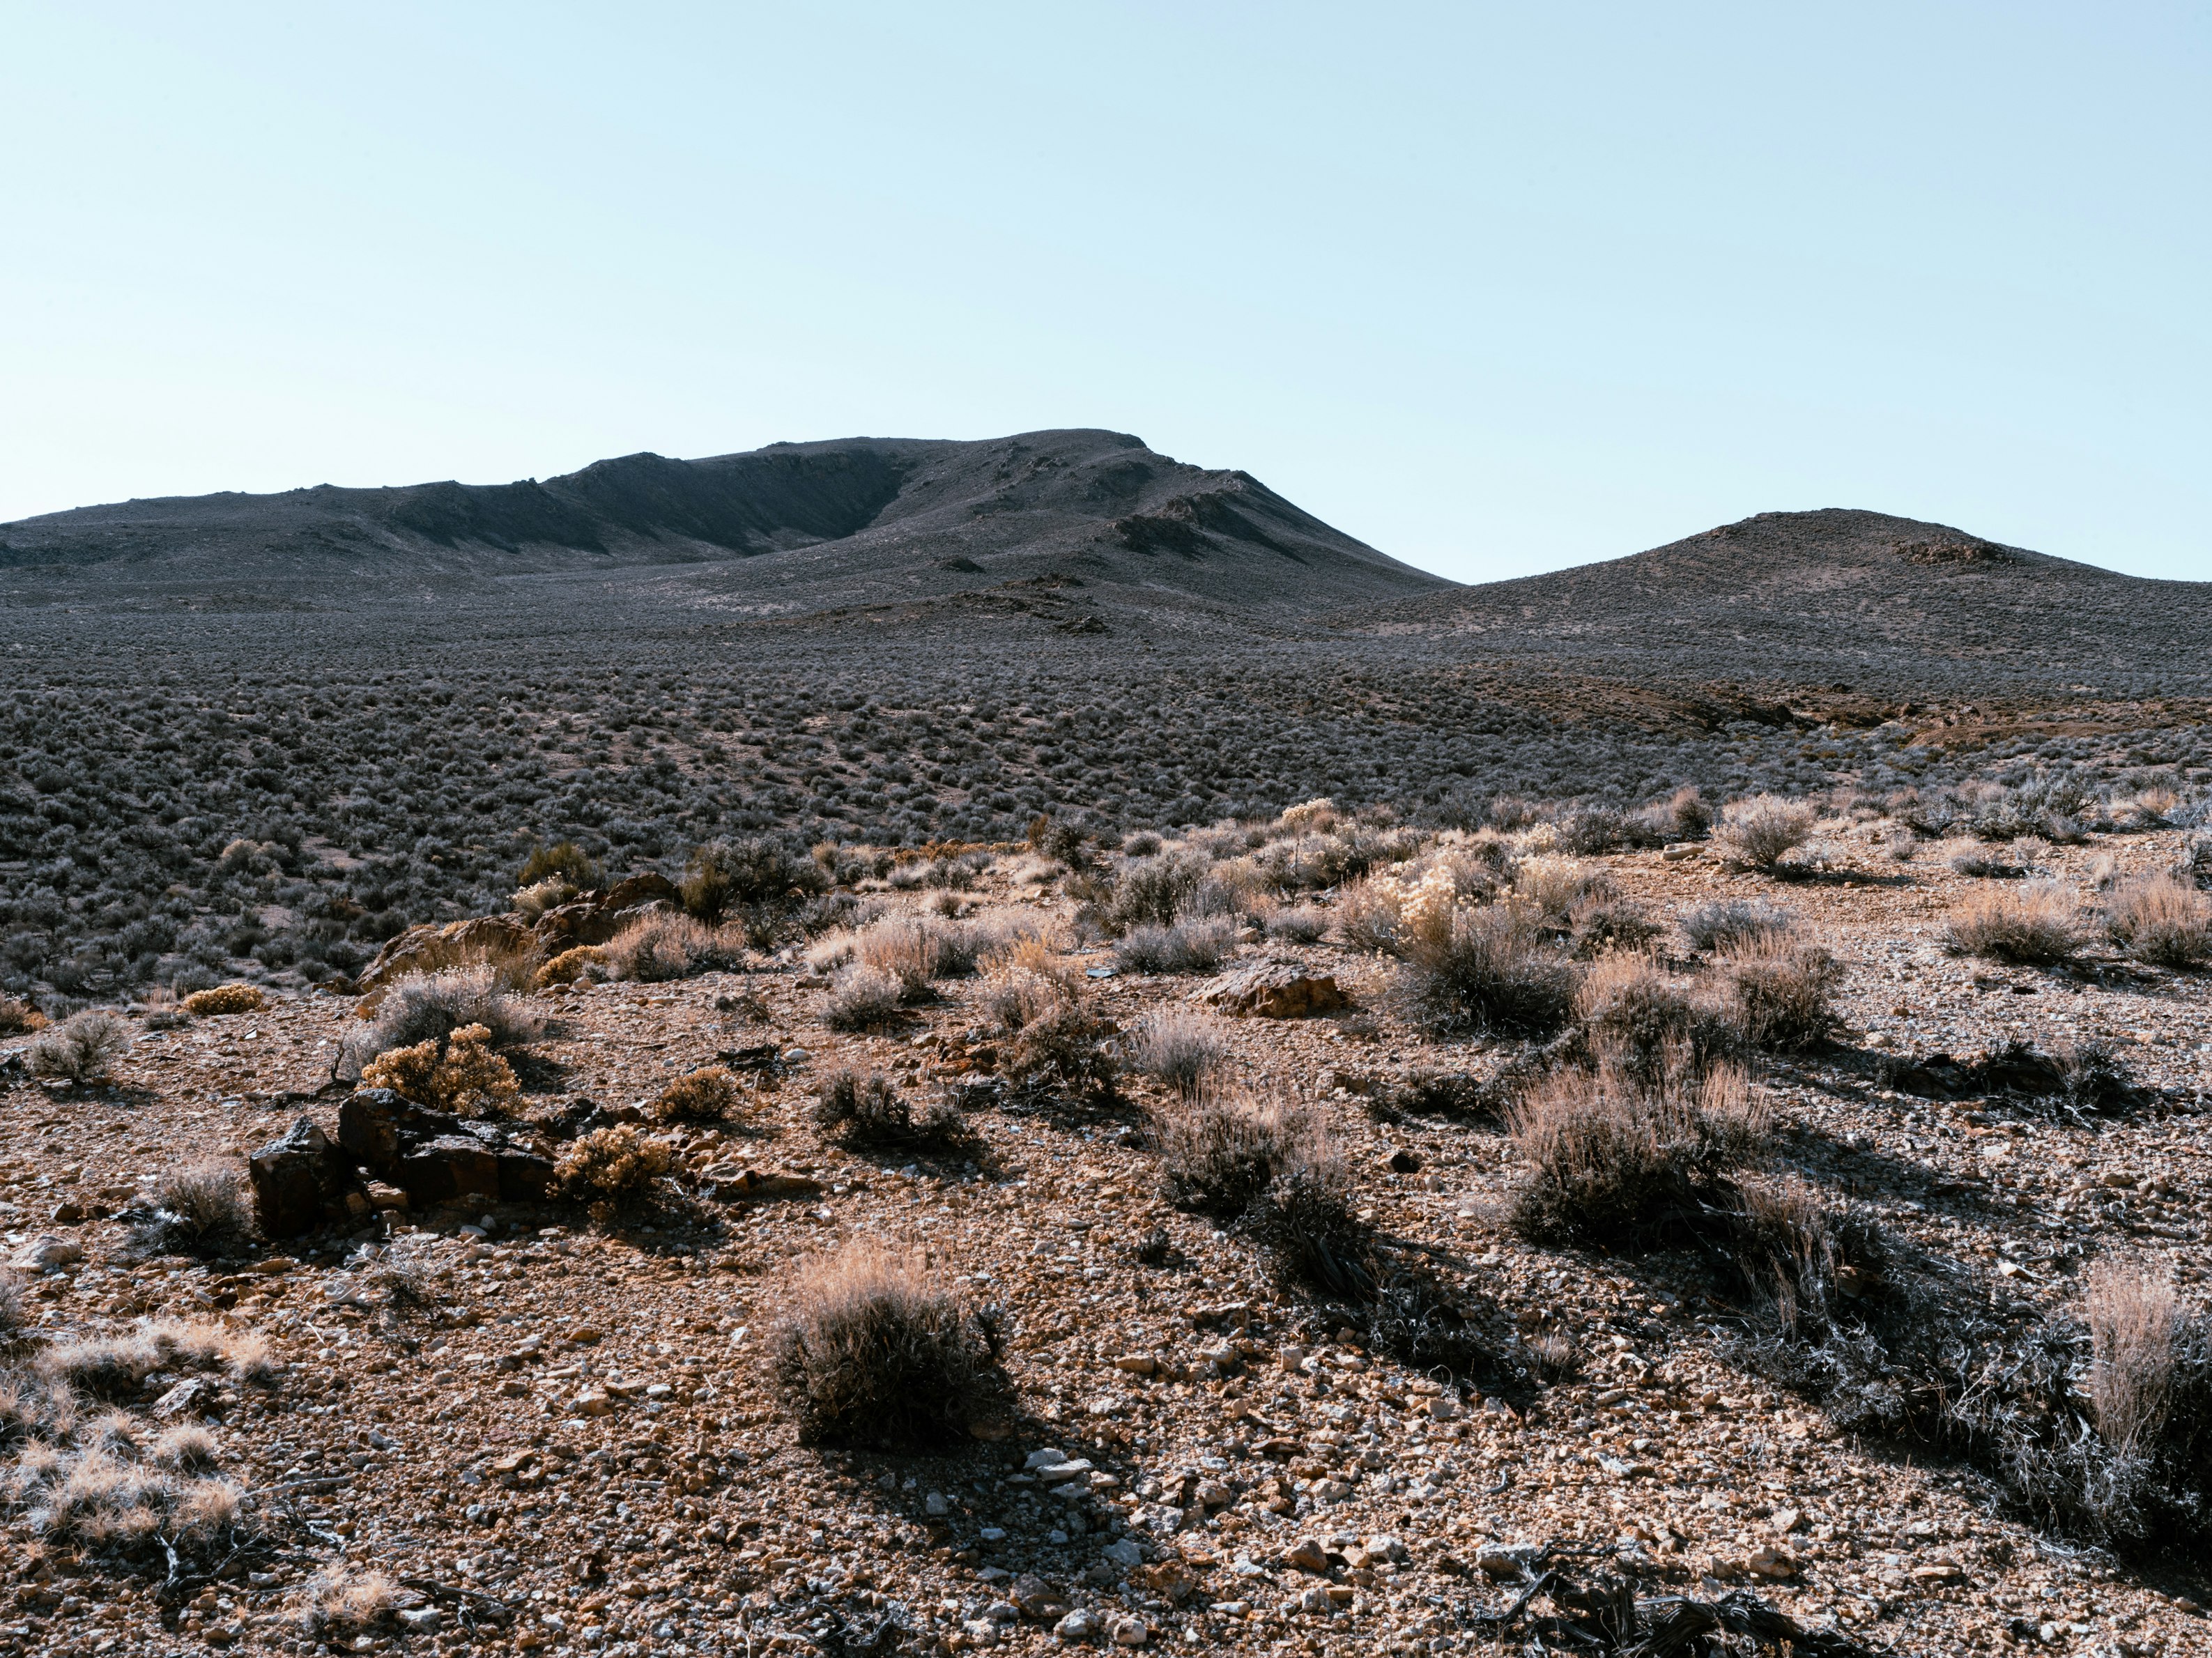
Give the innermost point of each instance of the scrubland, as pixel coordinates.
(1345, 1227)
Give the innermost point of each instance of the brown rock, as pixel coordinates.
(1306, 1555)
(1037, 1598)
(756, 1186)
(1276, 990)
(597, 918)
(420, 949)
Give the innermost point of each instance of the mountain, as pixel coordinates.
(857, 521)
(1849, 600)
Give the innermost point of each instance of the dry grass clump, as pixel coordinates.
(757, 879)
(429, 1007)
(185, 1447)
(1053, 1041)
(871, 1351)
(1186, 947)
(2163, 921)
(1300, 924)
(2032, 923)
(461, 1075)
(199, 1210)
(81, 1048)
(112, 1366)
(864, 998)
(1219, 1148)
(102, 1496)
(564, 861)
(1610, 1160)
(612, 1169)
(577, 961)
(1647, 1021)
(226, 999)
(655, 948)
(340, 1600)
(893, 963)
(707, 1095)
(1783, 991)
(15, 1324)
(1178, 1047)
(1493, 970)
(1755, 833)
(2133, 1316)
(1268, 1163)
(1152, 891)
(919, 950)
(18, 1015)
(1728, 921)
(867, 1111)
(1554, 888)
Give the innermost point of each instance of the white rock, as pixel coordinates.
(1125, 1554)
(421, 1620)
(1129, 1632)
(934, 1504)
(46, 1251)
(1078, 1625)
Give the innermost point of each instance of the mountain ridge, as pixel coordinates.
(885, 505)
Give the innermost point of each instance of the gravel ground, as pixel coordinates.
(570, 1443)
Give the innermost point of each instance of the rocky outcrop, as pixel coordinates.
(426, 949)
(596, 917)
(438, 1158)
(303, 1183)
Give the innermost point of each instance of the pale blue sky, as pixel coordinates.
(1495, 288)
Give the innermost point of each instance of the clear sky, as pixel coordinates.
(1497, 289)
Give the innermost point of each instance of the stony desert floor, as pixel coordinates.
(561, 1438)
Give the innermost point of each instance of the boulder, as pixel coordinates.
(1276, 990)
(376, 1126)
(301, 1182)
(435, 1157)
(448, 1168)
(597, 917)
(427, 948)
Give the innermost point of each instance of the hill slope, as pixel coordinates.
(1859, 599)
(861, 510)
